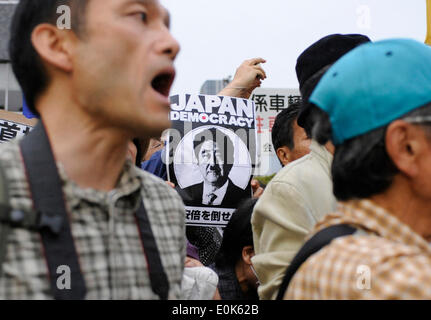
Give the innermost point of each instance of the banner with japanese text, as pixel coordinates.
(269, 103)
(14, 125)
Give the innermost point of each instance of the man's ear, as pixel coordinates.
(247, 254)
(405, 143)
(283, 154)
(53, 45)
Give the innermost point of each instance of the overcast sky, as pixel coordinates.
(217, 35)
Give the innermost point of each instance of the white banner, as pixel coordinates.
(269, 103)
(205, 216)
(14, 125)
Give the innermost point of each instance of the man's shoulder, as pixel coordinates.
(164, 207)
(306, 165)
(354, 257)
(364, 248)
(156, 189)
(152, 182)
(232, 186)
(305, 176)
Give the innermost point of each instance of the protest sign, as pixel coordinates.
(211, 155)
(269, 103)
(14, 125)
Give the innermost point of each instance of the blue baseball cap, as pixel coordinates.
(373, 85)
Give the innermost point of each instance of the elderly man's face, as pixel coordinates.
(123, 65)
(211, 163)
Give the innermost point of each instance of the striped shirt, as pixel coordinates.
(384, 259)
(105, 232)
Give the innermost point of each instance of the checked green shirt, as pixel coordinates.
(106, 236)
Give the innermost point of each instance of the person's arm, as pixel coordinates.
(280, 222)
(248, 77)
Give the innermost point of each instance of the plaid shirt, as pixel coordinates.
(384, 259)
(105, 232)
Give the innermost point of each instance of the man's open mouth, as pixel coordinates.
(162, 83)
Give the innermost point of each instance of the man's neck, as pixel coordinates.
(92, 155)
(402, 201)
(241, 277)
(330, 147)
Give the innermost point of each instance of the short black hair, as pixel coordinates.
(237, 235)
(282, 130)
(26, 63)
(223, 141)
(361, 166)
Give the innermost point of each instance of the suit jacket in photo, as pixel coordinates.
(192, 195)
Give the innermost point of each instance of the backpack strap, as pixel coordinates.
(317, 242)
(158, 278)
(52, 220)
(51, 213)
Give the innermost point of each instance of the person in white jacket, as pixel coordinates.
(301, 193)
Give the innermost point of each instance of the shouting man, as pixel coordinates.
(79, 209)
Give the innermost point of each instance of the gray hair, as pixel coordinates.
(361, 165)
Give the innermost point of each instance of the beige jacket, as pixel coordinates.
(293, 202)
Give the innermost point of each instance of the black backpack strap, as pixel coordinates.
(48, 199)
(317, 242)
(158, 278)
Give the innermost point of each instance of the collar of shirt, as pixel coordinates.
(373, 218)
(220, 193)
(129, 183)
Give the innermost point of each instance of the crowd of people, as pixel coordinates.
(88, 212)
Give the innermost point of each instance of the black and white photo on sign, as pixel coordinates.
(212, 161)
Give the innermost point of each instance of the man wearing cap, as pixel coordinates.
(301, 193)
(375, 105)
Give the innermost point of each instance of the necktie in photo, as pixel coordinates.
(211, 198)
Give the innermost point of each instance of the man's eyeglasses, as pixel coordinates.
(418, 119)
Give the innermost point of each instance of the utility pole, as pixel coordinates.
(428, 37)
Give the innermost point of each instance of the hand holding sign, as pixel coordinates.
(248, 77)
